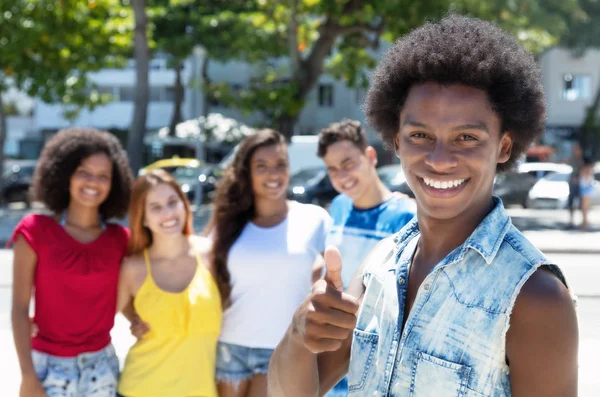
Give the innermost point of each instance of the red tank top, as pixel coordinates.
(75, 285)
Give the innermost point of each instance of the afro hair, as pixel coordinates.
(468, 51)
(61, 156)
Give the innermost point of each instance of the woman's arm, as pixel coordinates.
(124, 295)
(24, 267)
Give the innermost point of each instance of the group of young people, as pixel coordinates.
(453, 302)
(208, 310)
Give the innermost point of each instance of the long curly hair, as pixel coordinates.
(61, 156)
(234, 203)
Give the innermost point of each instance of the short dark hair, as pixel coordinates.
(344, 130)
(462, 50)
(61, 156)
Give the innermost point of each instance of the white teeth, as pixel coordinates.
(273, 185)
(169, 223)
(443, 184)
(90, 192)
(348, 185)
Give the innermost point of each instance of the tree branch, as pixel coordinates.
(293, 49)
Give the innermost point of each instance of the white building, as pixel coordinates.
(570, 81)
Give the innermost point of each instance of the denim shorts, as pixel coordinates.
(237, 363)
(87, 375)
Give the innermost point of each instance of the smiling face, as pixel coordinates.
(164, 212)
(351, 170)
(91, 182)
(269, 172)
(450, 143)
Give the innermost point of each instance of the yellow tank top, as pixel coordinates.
(177, 357)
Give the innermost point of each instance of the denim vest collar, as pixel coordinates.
(485, 240)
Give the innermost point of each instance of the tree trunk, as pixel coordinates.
(135, 140)
(3, 132)
(178, 101)
(286, 126)
(206, 83)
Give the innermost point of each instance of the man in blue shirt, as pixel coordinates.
(366, 211)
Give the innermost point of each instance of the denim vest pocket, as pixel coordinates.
(364, 346)
(434, 377)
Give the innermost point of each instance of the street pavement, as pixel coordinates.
(578, 254)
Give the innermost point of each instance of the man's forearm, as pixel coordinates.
(293, 370)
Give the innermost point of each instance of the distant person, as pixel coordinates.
(366, 211)
(459, 302)
(574, 200)
(586, 191)
(271, 248)
(70, 260)
(170, 281)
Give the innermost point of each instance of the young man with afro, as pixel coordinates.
(459, 302)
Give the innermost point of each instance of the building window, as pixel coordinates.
(127, 94)
(577, 87)
(326, 95)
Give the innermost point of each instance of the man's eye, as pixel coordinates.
(467, 137)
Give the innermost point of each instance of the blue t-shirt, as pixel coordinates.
(355, 231)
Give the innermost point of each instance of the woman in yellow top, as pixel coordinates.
(169, 280)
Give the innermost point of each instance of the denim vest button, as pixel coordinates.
(426, 287)
(401, 281)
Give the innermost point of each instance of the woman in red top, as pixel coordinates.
(71, 259)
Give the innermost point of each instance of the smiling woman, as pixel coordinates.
(71, 259)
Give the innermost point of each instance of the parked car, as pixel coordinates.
(513, 187)
(393, 178)
(312, 185)
(552, 191)
(541, 169)
(17, 180)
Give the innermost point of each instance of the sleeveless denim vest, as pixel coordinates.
(453, 342)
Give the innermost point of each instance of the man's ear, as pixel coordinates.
(505, 148)
(396, 143)
(371, 154)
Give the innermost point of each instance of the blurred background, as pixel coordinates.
(181, 82)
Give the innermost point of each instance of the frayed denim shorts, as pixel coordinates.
(92, 374)
(238, 363)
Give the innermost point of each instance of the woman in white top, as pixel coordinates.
(269, 246)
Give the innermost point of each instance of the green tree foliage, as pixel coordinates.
(293, 42)
(49, 46)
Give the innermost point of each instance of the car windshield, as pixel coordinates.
(558, 177)
(308, 177)
(391, 176)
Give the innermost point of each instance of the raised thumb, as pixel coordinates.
(333, 268)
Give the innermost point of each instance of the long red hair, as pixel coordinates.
(141, 237)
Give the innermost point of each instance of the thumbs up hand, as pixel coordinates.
(328, 316)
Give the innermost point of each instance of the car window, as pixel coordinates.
(558, 177)
(309, 176)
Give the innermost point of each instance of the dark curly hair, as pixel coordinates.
(462, 50)
(234, 203)
(61, 156)
(345, 130)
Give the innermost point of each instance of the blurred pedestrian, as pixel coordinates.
(170, 280)
(269, 246)
(70, 260)
(574, 200)
(587, 190)
(365, 211)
